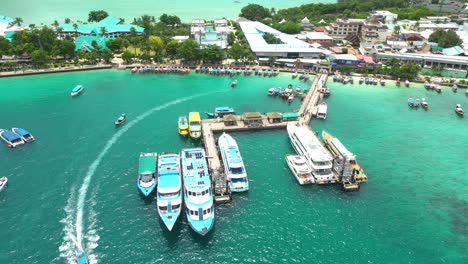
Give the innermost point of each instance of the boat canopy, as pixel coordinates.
(194, 116)
(77, 88)
(224, 109)
(147, 164)
(22, 132)
(290, 115)
(342, 149)
(10, 136)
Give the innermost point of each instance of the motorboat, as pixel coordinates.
(294, 75)
(345, 80)
(417, 102)
(375, 81)
(77, 90)
(424, 103)
(301, 171)
(146, 180)
(398, 82)
(169, 190)
(134, 70)
(3, 182)
(454, 88)
(351, 80)
(322, 111)
(306, 143)
(222, 111)
(271, 91)
(121, 119)
(11, 138)
(407, 83)
(198, 196)
(23, 134)
(234, 83)
(382, 82)
(427, 85)
(81, 257)
(437, 88)
(361, 80)
(298, 89)
(459, 110)
(344, 162)
(182, 125)
(194, 125)
(233, 164)
(411, 102)
(290, 98)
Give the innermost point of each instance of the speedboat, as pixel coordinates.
(427, 85)
(3, 182)
(351, 80)
(382, 82)
(411, 102)
(78, 89)
(361, 80)
(417, 102)
(437, 88)
(169, 198)
(407, 83)
(234, 83)
(459, 110)
(271, 91)
(398, 82)
(290, 98)
(11, 138)
(375, 81)
(233, 164)
(222, 111)
(198, 197)
(454, 88)
(23, 134)
(298, 89)
(194, 125)
(298, 166)
(121, 119)
(424, 104)
(322, 111)
(294, 75)
(146, 181)
(183, 126)
(81, 257)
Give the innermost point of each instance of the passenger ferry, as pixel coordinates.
(146, 181)
(11, 138)
(222, 111)
(23, 134)
(169, 198)
(194, 125)
(308, 145)
(322, 111)
(298, 166)
(78, 89)
(345, 162)
(183, 126)
(198, 195)
(233, 164)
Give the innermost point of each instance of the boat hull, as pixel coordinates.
(202, 227)
(146, 190)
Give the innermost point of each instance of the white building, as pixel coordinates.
(216, 34)
(290, 47)
(343, 27)
(368, 30)
(385, 16)
(427, 60)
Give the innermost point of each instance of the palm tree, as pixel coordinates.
(18, 21)
(75, 27)
(104, 32)
(67, 20)
(55, 24)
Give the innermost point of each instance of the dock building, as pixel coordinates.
(215, 33)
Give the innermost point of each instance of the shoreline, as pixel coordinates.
(53, 70)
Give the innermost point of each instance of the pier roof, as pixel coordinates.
(251, 116)
(229, 118)
(274, 115)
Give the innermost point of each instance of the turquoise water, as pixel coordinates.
(412, 210)
(46, 11)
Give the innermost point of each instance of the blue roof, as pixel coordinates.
(22, 132)
(453, 51)
(86, 42)
(6, 19)
(10, 136)
(110, 23)
(78, 87)
(168, 178)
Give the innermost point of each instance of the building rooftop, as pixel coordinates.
(318, 35)
(110, 23)
(5, 19)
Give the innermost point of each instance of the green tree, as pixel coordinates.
(237, 52)
(127, 56)
(39, 58)
(18, 21)
(104, 32)
(396, 29)
(289, 27)
(189, 50)
(254, 12)
(56, 23)
(271, 39)
(272, 60)
(115, 44)
(345, 68)
(67, 20)
(445, 39)
(156, 44)
(97, 15)
(107, 55)
(171, 48)
(5, 46)
(170, 20)
(212, 53)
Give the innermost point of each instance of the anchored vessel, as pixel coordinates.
(308, 145)
(459, 110)
(11, 138)
(345, 162)
(3, 182)
(121, 119)
(322, 111)
(222, 111)
(298, 166)
(146, 181)
(198, 195)
(183, 126)
(233, 164)
(169, 198)
(23, 134)
(78, 89)
(194, 125)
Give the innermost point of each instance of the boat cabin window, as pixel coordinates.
(238, 180)
(146, 177)
(192, 212)
(236, 170)
(169, 195)
(163, 208)
(194, 123)
(175, 206)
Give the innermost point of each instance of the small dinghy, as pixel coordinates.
(23, 134)
(424, 104)
(459, 110)
(411, 102)
(3, 182)
(437, 88)
(454, 88)
(407, 83)
(121, 119)
(234, 83)
(417, 102)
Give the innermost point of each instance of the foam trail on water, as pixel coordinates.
(92, 168)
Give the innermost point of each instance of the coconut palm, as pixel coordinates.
(18, 21)
(104, 32)
(67, 20)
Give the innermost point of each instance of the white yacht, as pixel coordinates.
(308, 145)
(298, 166)
(233, 164)
(322, 111)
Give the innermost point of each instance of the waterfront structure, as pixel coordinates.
(427, 60)
(210, 34)
(384, 16)
(368, 31)
(289, 46)
(8, 27)
(112, 27)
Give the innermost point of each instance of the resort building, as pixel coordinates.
(110, 26)
(428, 60)
(8, 28)
(288, 46)
(305, 23)
(368, 31)
(210, 34)
(86, 43)
(317, 37)
(343, 27)
(384, 16)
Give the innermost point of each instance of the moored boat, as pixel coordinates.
(182, 126)
(222, 111)
(417, 102)
(361, 80)
(424, 103)
(234, 83)
(146, 180)
(3, 182)
(407, 83)
(411, 102)
(301, 171)
(437, 88)
(427, 85)
(81, 257)
(11, 138)
(23, 134)
(198, 197)
(382, 82)
(169, 190)
(121, 119)
(271, 91)
(294, 75)
(194, 125)
(322, 111)
(454, 88)
(290, 98)
(398, 82)
(459, 110)
(233, 164)
(77, 90)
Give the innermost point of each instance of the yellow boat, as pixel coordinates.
(350, 166)
(194, 125)
(183, 126)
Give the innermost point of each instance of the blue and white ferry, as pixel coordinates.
(233, 164)
(146, 181)
(11, 138)
(169, 188)
(198, 195)
(23, 134)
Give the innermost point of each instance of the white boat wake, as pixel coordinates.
(73, 229)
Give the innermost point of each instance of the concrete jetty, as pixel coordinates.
(306, 111)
